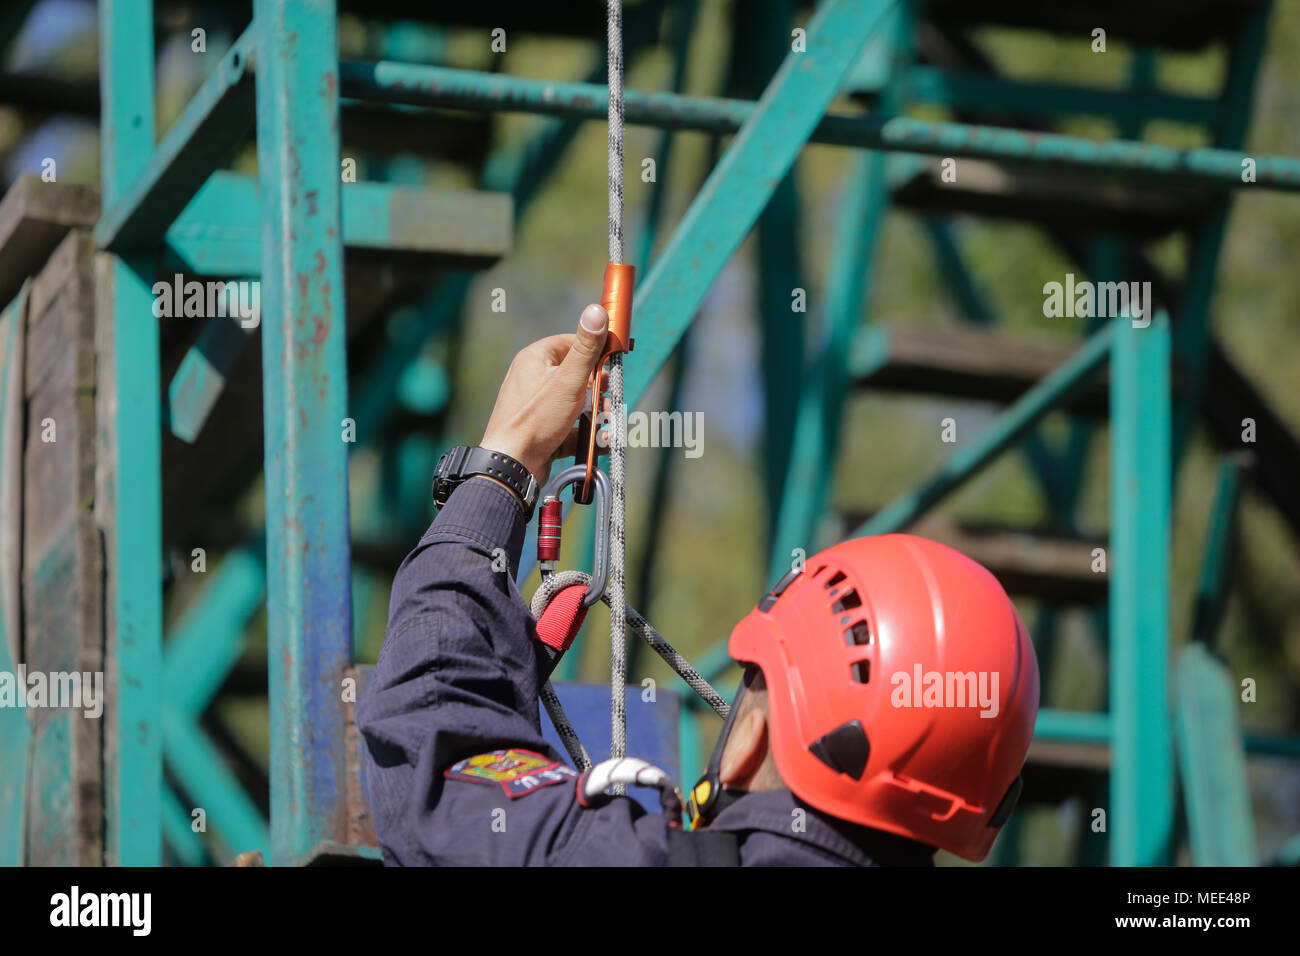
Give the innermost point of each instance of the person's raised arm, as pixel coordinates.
(457, 672)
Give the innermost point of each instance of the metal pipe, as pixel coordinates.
(214, 124)
(1142, 775)
(129, 383)
(420, 85)
(309, 606)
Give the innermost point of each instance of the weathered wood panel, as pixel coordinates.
(62, 560)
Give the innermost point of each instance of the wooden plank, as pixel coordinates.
(1022, 193)
(60, 334)
(64, 598)
(34, 218)
(59, 476)
(1026, 562)
(967, 363)
(63, 567)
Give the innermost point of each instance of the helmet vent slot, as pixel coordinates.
(847, 602)
(845, 749)
(835, 579)
(862, 672)
(858, 634)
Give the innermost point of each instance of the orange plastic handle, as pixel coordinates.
(620, 284)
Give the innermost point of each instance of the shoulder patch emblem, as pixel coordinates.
(519, 772)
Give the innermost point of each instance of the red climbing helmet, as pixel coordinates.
(902, 689)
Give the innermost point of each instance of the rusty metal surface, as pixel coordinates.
(309, 594)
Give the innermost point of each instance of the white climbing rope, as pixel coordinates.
(616, 591)
(621, 617)
(555, 583)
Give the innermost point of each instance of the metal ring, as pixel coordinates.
(577, 474)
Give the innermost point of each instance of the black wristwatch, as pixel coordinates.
(463, 462)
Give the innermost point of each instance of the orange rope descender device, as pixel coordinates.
(616, 299)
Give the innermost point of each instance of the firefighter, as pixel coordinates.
(889, 695)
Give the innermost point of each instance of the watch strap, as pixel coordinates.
(464, 462)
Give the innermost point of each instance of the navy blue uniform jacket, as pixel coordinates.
(457, 677)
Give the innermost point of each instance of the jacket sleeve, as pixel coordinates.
(457, 676)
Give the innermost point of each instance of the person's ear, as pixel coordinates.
(745, 750)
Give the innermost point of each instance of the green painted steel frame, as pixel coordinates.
(472, 90)
(200, 651)
(212, 127)
(826, 384)
(309, 594)
(235, 588)
(305, 378)
(1211, 754)
(132, 442)
(1142, 791)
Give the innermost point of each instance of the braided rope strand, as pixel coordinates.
(614, 54)
(564, 727)
(617, 590)
(556, 583)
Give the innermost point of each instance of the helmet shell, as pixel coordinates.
(922, 648)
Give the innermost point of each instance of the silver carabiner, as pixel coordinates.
(576, 475)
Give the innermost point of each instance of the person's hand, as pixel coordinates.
(543, 393)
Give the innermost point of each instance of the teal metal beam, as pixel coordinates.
(1220, 548)
(1212, 761)
(218, 232)
(1093, 727)
(1212, 758)
(178, 831)
(519, 169)
(201, 376)
(1191, 342)
(816, 434)
(743, 181)
(212, 127)
(1073, 726)
(230, 812)
(472, 90)
(208, 640)
(737, 190)
(682, 30)
(825, 386)
(305, 401)
(131, 446)
(205, 644)
(1009, 427)
(1142, 778)
(760, 41)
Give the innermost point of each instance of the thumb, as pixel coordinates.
(587, 346)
